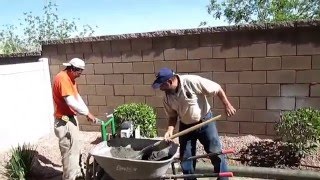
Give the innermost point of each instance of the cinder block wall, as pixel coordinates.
(264, 69)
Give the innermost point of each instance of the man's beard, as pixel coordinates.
(170, 91)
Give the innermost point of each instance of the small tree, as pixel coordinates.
(257, 11)
(39, 28)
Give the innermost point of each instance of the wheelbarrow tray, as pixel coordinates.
(125, 169)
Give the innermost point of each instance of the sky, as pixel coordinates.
(118, 16)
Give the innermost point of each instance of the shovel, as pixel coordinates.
(163, 144)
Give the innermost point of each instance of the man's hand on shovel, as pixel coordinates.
(167, 135)
(160, 143)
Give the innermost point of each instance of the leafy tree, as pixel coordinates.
(257, 11)
(36, 28)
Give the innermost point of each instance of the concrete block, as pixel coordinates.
(308, 76)
(296, 62)
(141, 44)
(111, 57)
(106, 90)
(213, 65)
(95, 79)
(315, 90)
(253, 50)
(103, 68)
(307, 102)
(114, 101)
(225, 52)
(143, 90)
(120, 45)
(253, 102)
(226, 77)
(154, 101)
(188, 66)
(131, 56)
(133, 78)
(238, 64)
(266, 115)
(113, 79)
(242, 115)
(252, 77)
(282, 76)
(123, 90)
(122, 68)
(101, 47)
(228, 127)
(152, 55)
(93, 58)
(281, 103)
(87, 89)
(200, 53)
(266, 89)
(239, 89)
(94, 100)
(295, 90)
(169, 64)
(143, 67)
(281, 49)
(188, 41)
(175, 54)
(267, 63)
(135, 99)
(253, 128)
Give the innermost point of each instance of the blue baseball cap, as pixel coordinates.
(163, 75)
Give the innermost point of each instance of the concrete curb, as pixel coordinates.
(262, 172)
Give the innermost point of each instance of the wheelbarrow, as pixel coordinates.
(105, 166)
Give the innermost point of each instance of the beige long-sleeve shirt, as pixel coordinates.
(190, 103)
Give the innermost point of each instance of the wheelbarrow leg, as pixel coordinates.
(173, 169)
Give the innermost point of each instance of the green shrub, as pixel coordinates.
(140, 114)
(21, 162)
(300, 128)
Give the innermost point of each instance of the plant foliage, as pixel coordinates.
(258, 11)
(300, 128)
(20, 165)
(140, 114)
(27, 36)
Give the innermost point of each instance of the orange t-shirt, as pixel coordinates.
(63, 86)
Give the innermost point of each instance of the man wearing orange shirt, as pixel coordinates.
(68, 103)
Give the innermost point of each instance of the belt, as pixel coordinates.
(67, 118)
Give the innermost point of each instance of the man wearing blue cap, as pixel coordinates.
(186, 100)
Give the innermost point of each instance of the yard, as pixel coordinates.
(49, 166)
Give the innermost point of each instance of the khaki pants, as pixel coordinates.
(69, 144)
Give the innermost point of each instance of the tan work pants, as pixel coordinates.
(69, 144)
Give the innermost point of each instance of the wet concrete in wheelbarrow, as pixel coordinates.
(123, 152)
(128, 153)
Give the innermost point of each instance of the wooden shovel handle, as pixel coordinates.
(194, 127)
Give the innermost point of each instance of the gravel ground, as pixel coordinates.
(50, 161)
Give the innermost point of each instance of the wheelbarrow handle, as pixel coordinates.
(226, 174)
(222, 174)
